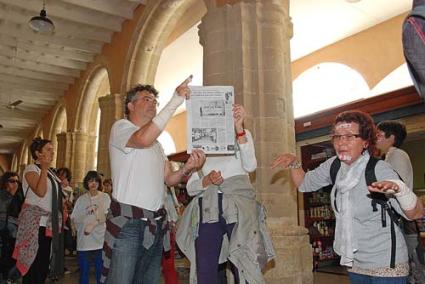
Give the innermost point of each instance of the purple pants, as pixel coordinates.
(208, 246)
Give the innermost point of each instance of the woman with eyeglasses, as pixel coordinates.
(361, 239)
(39, 243)
(11, 199)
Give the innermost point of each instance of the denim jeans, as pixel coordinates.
(131, 262)
(366, 279)
(87, 258)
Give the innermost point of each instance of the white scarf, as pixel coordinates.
(348, 177)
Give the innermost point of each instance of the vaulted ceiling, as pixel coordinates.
(37, 69)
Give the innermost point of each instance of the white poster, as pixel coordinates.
(210, 119)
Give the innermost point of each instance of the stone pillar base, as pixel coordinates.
(293, 263)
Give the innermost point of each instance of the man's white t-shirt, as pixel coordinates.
(137, 174)
(85, 212)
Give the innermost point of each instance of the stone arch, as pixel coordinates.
(14, 164)
(22, 157)
(326, 85)
(39, 132)
(396, 79)
(88, 97)
(370, 52)
(150, 37)
(83, 138)
(59, 123)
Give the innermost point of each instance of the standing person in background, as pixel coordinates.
(373, 251)
(11, 200)
(390, 137)
(172, 206)
(39, 241)
(107, 187)
(137, 230)
(89, 216)
(65, 177)
(64, 174)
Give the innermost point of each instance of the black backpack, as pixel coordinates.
(376, 198)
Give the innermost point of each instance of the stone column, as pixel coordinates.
(63, 155)
(91, 153)
(21, 170)
(111, 109)
(79, 155)
(246, 45)
(73, 149)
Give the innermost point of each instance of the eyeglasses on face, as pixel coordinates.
(344, 137)
(147, 99)
(12, 181)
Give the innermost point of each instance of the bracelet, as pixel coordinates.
(294, 165)
(243, 133)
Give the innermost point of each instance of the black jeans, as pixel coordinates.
(39, 269)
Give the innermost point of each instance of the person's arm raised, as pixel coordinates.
(38, 182)
(289, 161)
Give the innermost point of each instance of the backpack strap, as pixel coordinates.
(336, 164)
(382, 200)
(370, 170)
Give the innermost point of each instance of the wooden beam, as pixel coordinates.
(23, 94)
(63, 28)
(20, 122)
(15, 131)
(11, 70)
(80, 44)
(28, 87)
(41, 58)
(47, 49)
(111, 7)
(20, 114)
(58, 10)
(58, 86)
(46, 68)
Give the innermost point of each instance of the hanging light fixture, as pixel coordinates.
(42, 24)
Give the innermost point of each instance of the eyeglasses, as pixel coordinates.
(12, 181)
(344, 137)
(147, 99)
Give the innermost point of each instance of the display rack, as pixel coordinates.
(319, 218)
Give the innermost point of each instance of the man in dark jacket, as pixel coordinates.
(11, 200)
(414, 44)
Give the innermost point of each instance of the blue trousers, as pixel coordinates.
(87, 258)
(131, 262)
(366, 279)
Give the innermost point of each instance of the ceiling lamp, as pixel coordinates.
(42, 24)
